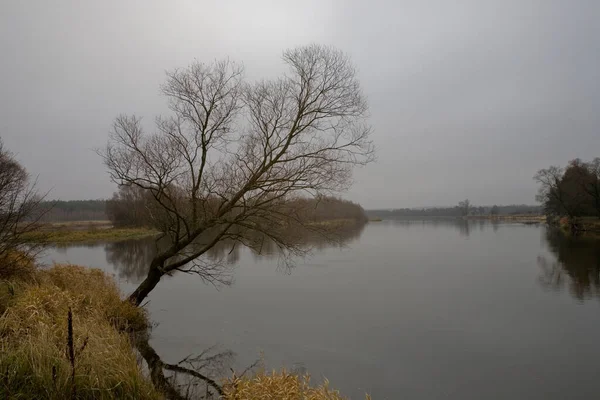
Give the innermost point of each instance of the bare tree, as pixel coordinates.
(465, 207)
(233, 155)
(572, 191)
(550, 193)
(592, 185)
(19, 213)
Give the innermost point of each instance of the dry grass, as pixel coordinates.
(74, 225)
(279, 386)
(36, 360)
(332, 223)
(16, 265)
(93, 235)
(33, 338)
(525, 218)
(586, 226)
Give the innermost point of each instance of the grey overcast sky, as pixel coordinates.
(468, 98)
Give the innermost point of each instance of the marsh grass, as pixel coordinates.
(517, 218)
(65, 333)
(17, 265)
(89, 235)
(332, 223)
(279, 385)
(42, 358)
(582, 227)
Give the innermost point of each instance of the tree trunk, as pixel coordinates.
(144, 288)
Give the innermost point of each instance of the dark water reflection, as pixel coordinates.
(403, 309)
(575, 265)
(463, 227)
(131, 258)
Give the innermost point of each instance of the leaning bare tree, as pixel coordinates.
(229, 160)
(19, 213)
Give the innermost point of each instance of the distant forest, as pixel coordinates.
(74, 210)
(128, 209)
(131, 207)
(463, 209)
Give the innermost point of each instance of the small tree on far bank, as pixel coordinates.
(20, 212)
(232, 156)
(465, 207)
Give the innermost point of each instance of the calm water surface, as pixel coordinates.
(406, 310)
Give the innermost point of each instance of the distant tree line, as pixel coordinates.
(74, 210)
(328, 208)
(464, 208)
(572, 191)
(129, 206)
(134, 207)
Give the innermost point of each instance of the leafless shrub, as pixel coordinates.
(20, 212)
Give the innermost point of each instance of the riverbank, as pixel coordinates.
(520, 218)
(588, 226)
(335, 223)
(108, 235)
(525, 218)
(103, 231)
(66, 332)
(85, 232)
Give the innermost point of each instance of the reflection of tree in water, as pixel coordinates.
(463, 226)
(196, 376)
(495, 224)
(131, 258)
(577, 265)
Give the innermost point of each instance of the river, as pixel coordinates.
(401, 310)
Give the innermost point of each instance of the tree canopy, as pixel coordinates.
(234, 158)
(573, 191)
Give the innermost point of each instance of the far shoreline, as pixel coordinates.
(538, 219)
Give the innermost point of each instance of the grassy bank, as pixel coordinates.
(524, 218)
(279, 385)
(42, 358)
(588, 226)
(334, 223)
(65, 333)
(47, 235)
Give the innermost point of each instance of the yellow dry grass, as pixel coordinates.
(279, 385)
(16, 265)
(33, 338)
(34, 334)
(88, 236)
